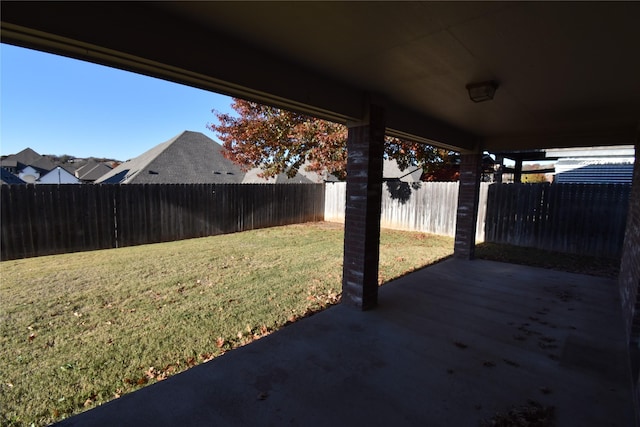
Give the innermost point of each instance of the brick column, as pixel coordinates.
(468, 195)
(365, 145)
(629, 277)
(517, 171)
(497, 175)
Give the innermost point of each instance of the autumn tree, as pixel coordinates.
(534, 177)
(280, 141)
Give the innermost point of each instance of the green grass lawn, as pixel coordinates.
(77, 330)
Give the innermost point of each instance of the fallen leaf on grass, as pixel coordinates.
(90, 400)
(151, 372)
(207, 357)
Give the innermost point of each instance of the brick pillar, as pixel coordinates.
(629, 277)
(497, 176)
(517, 172)
(365, 145)
(468, 196)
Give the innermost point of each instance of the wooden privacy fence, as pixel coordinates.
(429, 207)
(53, 219)
(586, 219)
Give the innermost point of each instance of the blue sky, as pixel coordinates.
(57, 105)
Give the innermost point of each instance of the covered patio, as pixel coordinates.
(450, 345)
(566, 76)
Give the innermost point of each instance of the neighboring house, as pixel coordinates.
(43, 165)
(252, 177)
(303, 176)
(188, 158)
(58, 175)
(26, 157)
(594, 165)
(391, 172)
(29, 174)
(92, 171)
(10, 165)
(8, 178)
(30, 167)
(16, 163)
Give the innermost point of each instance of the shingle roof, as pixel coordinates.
(7, 177)
(188, 158)
(92, 171)
(85, 168)
(26, 156)
(43, 164)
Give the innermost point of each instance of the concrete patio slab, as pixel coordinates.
(449, 345)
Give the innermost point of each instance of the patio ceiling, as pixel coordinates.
(568, 72)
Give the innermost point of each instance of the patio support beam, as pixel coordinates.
(365, 145)
(468, 199)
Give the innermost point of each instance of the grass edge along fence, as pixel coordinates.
(53, 219)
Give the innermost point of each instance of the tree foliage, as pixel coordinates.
(279, 141)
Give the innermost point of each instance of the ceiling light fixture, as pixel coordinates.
(484, 91)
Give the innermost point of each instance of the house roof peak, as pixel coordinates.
(189, 157)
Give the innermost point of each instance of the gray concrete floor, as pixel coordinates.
(449, 345)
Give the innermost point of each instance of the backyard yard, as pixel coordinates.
(77, 330)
